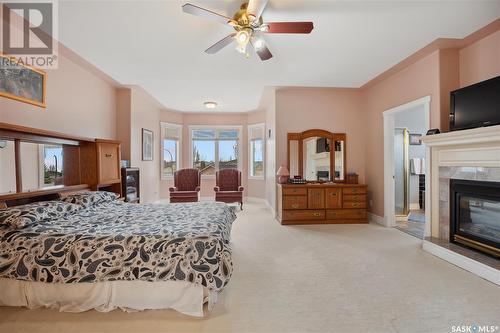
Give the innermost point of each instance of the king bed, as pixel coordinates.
(92, 251)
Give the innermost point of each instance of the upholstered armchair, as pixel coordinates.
(228, 186)
(186, 186)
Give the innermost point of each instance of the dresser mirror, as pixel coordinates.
(317, 155)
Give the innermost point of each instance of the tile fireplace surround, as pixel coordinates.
(472, 154)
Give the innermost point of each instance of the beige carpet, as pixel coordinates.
(343, 278)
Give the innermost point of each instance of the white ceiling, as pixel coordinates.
(155, 45)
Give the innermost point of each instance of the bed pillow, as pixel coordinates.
(90, 198)
(25, 215)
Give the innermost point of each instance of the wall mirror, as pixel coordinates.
(7, 167)
(317, 155)
(42, 165)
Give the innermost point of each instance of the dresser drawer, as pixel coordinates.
(295, 202)
(354, 190)
(333, 198)
(355, 197)
(291, 215)
(346, 214)
(354, 204)
(295, 191)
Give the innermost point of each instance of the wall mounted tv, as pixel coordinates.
(476, 105)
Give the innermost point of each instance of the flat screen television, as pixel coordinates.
(476, 105)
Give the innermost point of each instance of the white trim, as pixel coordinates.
(374, 218)
(389, 182)
(216, 127)
(486, 272)
(163, 126)
(249, 142)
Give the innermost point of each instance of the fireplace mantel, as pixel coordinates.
(468, 154)
(471, 136)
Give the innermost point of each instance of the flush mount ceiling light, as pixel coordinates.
(249, 27)
(210, 105)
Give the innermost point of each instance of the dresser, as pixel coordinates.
(328, 203)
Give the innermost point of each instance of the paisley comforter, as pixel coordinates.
(120, 241)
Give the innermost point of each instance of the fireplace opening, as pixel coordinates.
(475, 215)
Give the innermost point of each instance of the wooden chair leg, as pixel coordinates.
(241, 205)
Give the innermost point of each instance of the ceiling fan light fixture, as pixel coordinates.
(210, 105)
(259, 43)
(243, 37)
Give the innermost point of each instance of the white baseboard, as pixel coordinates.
(376, 219)
(486, 272)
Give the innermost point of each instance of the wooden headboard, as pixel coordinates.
(81, 168)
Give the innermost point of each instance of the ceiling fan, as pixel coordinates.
(249, 25)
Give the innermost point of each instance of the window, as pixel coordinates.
(170, 149)
(256, 145)
(215, 149)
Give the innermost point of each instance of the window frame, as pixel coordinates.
(250, 155)
(192, 128)
(163, 127)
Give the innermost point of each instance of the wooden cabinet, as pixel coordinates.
(315, 198)
(322, 203)
(108, 162)
(100, 163)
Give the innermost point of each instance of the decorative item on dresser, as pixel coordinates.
(322, 203)
(283, 175)
(68, 163)
(131, 185)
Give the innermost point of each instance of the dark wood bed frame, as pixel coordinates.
(89, 164)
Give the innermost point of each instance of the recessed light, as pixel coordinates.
(210, 105)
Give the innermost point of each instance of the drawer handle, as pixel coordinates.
(356, 197)
(333, 194)
(354, 191)
(295, 205)
(108, 155)
(316, 214)
(355, 204)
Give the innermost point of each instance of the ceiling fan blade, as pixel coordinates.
(198, 11)
(256, 7)
(263, 52)
(220, 44)
(289, 27)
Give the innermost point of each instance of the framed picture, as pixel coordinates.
(22, 83)
(415, 139)
(147, 145)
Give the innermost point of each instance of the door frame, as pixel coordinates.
(389, 168)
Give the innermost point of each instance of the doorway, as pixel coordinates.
(405, 165)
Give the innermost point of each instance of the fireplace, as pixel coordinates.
(475, 215)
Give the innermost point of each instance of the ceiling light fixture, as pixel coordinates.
(210, 105)
(258, 43)
(242, 40)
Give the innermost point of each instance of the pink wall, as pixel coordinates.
(480, 60)
(334, 110)
(79, 102)
(418, 80)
